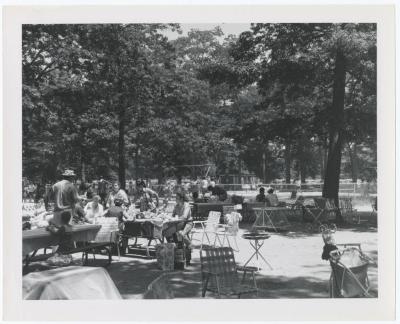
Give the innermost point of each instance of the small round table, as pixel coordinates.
(258, 239)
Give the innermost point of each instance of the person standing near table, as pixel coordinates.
(65, 196)
(146, 197)
(64, 230)
(103, 191)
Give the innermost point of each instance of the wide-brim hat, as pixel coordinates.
(69, 173)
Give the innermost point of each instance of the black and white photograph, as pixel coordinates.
(199, 161)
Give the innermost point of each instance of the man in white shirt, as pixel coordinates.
(94, 209)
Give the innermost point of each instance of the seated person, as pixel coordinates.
(261, 196)
(64, 231)
(117, 211)
(196, 198)
(272, 198)
(183, 212)
(79, 216)
(237, 200)
(219, 192)
(93, 210)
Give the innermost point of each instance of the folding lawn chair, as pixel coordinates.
(210, 226)
(349, 276)
(348, 212)
(219, 273)
(325, 210)
(230, 229)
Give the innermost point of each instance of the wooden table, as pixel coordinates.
(40, 238)
(149, 229)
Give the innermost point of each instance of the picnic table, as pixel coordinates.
(150, 229)
(40, 238)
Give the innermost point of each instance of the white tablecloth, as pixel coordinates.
(70, 283)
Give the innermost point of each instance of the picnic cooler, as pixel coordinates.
(165, 254)
(349, 273)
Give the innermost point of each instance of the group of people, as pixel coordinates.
(69, 207)
(271, 199)
(64, 195)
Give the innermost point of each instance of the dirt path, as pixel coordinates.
(298, 270)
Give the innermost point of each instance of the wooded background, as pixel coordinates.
(284, 101)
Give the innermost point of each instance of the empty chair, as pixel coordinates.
(326, 210)
(230, 229)
(205, 228)
(348, 212)
(219, 273)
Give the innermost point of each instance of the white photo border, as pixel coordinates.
(14, 308)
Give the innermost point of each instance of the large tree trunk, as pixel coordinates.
(121, 148)
(332, 173)
(288, 161)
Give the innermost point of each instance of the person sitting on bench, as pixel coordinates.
(118, 212)
(272, 198)
(261, 196)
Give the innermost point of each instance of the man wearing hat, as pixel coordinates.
(65, 196)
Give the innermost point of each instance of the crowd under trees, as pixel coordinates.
(283, 101)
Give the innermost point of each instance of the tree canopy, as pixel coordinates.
(283, 101)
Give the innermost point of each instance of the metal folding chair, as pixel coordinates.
(325, 210)
(210, 226)
(230, 229)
